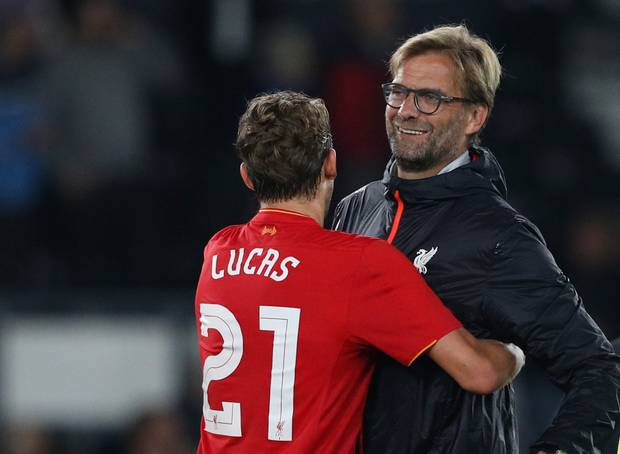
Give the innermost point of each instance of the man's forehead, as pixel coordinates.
(428, 70)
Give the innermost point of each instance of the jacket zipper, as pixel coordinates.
(400, 207)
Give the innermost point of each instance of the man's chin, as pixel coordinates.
(415, 164)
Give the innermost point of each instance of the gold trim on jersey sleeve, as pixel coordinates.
(422, 351)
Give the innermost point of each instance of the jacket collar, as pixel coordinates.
(482, 174)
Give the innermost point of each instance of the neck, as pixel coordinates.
(311, 208)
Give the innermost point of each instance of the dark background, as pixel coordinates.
(117, 119)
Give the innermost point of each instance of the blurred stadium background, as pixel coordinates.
(117, 119)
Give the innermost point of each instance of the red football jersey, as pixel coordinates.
(290, 317)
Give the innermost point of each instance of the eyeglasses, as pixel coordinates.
(426, 101)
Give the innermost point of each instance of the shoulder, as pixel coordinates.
(363, 202)
(367, 254)
(372, 192)
(227, 232)
(224, 236)
(519, 228)
(333, 239)
(521, 249)
(498, 217)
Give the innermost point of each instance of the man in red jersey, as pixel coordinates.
(290, 315)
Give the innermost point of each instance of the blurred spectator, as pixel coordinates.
(21, 140)
(352, 89)
(286, 58)
(230, 29)
(594, 254)
(100, 95)
(590, 74)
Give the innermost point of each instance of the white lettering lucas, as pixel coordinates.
(239, 263)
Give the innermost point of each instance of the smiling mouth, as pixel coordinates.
(412, 132)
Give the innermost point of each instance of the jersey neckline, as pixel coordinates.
(282, 211)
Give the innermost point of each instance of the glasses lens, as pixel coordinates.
(394, 95)
(427, 102)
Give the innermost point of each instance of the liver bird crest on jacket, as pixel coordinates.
(422, 258)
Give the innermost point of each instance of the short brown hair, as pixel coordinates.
(475, 59)
(283, 139)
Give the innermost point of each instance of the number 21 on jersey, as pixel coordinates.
(284, 322)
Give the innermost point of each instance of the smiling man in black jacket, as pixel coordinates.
(442, 202)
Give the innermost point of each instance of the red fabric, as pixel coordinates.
(355, 295)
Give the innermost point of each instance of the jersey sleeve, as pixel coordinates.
(392, 308)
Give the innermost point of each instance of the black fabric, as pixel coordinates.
(613, 444)
(494, 271)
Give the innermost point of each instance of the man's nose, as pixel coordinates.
(408, 108)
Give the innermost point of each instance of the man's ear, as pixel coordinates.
(243, 170)
(329, 165)
(477, 117)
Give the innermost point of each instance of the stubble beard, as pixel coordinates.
(441, 147)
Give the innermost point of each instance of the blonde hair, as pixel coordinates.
(477, 63)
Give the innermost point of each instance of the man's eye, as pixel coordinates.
(429, 96)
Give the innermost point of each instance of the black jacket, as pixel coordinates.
(491, 267)
(613, 444)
